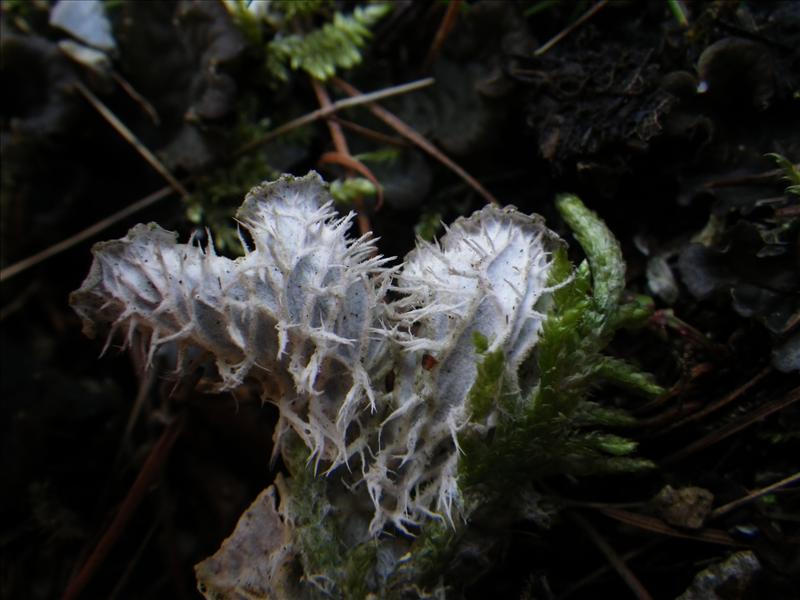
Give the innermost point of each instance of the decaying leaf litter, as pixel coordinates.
(660, 128)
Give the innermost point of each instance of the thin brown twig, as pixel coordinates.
(667, 319)
(720, 434)
(324, 100)
(143, 102)
(600, 571)
(656, 525)
(370, 133)
(131, 138)
(340, 143)
(27, 263)
(612, 557)
(787, 212)
(445, 27)
(726, 508)
(722, 402)
(570, 28)
(409, 133)
(148, 475)
(687, 383)
(146, 382)
(751, 178)
(132, 563)
(334, 107)
(666, 417)
(19, 300)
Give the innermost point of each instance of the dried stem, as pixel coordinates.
(340, 143)
(613, 558)
(445, 27)
(407, 132)
(148, 475)
(320, 113)
(131, 138)
(726, 508)
(656, 525)
(569, 29)
(85, 234)
(722, 402)
(720, 434)
(370, 133)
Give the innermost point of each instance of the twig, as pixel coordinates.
(131, 138)
(132, 563)
(409, 133)
(752, 178)
(27, 263)
(570, 28)
(666, 318)
(337, 135)
(357, 100)
(726, 508)
(687, 382)
(569, 591)
(656, 525)
(720, 434)
(146, 381)
(666, 418)
(724, 401)
(369, 133)
(137, 97)
(148, 475)
(448, 21)
(340, 143)
(19, 301)
(613, 558)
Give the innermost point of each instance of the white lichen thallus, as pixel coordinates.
(491, 341)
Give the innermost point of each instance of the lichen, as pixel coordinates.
(492, 342)
(296, 313)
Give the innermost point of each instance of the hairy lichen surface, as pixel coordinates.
(296, 313)
(487, 276)
(491, 339)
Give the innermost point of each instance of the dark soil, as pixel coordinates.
(661, 129)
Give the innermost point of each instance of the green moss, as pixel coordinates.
(488, 387)
(321, 52)
(358, 569)
(218, 194)
(428, 225)
(790, 171)
(602, 251)
(313, 517)
(423, 567)
(627, 376)
(556, 429)
(345, 191)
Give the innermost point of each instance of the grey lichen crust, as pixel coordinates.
(476, 347)
(303, 313)
(296, 313)
(487, 276)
